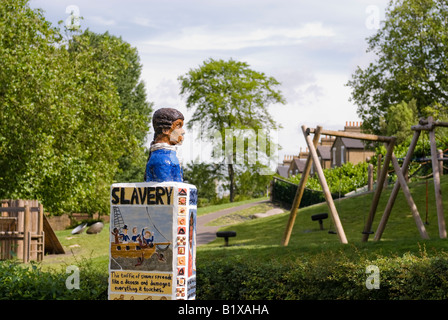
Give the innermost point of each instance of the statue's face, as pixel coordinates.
(177, 132)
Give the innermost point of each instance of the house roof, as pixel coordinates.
(299, 164)
(350, 143)
(324, 152)
(283, 171)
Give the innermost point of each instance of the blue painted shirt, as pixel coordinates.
(163, 165)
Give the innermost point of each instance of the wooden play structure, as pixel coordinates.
(25, 233)
(427, 124)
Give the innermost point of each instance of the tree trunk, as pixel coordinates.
(232, 183)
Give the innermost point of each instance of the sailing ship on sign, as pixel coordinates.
(141, 249)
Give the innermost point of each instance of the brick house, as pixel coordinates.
(324, 151)
(351, 150)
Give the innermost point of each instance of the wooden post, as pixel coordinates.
(26, 233)
(408, 196)
(370, 177)
(378, 167)
(394, 193)
(376, 196)
(323, 182)
(300, 190)
(355, 135)
(440, 158)
(437, 189)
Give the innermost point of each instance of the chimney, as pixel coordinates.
(352, 126)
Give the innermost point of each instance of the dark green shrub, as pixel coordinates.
(324, 277)
(30, 282)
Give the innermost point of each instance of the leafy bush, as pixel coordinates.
(325, 277)
(30, 282)
(284, 192)
(343, 179)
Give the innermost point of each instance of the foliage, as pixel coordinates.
(398, 121)
(228, 95)
(204, 176)
(284, 193)
(30, 282)
(62, 126)
(326, 276)
(135, 111)
(340, 180)
(412, 63)
(250, 183)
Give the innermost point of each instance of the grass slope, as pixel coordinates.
(262, 238)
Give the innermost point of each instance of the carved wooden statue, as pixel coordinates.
(163, 162)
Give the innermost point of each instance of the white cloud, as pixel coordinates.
(101, 21)
(144, 22)
(203, 38)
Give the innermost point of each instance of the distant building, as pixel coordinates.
(297, 166)
(324, 151)
(351, 150)
(332, 152)
(282, 171)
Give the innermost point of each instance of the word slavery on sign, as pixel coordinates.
(152, 241)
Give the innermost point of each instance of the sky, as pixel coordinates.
(311, 47)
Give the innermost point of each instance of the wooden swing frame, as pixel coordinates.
(428, 125)
(313, 157)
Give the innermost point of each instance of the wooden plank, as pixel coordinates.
(437, 189)
(394, 193)
(376, 197)
(329, 199)
(300, 190)
(430, 121)
(27, 232)
(418, 221)
(354, 135)
(52, 244)
(18, 209)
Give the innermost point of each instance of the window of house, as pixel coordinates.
(342, 154)
(334, 155)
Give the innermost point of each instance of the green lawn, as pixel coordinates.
(261, 238)
(210, 209)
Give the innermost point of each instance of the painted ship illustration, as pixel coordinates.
(141, 249)
(134, 250)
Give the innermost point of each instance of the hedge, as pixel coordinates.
(325, 278)
(328, 276)
(284, 192)
(29, 282)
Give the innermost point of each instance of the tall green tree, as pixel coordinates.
(412, 63)
(229, 95)
(61, 123)
(135, 110)
(398, 121)
(204, 176)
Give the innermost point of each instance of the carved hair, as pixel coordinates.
(163, 119)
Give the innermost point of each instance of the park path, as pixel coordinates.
(205, 234)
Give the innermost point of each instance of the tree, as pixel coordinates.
(136, 111)
(204, 176)
(398, 121)
(229, 95)
(412, 63)
(61, 123)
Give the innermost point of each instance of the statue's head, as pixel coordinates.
(168, 126)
